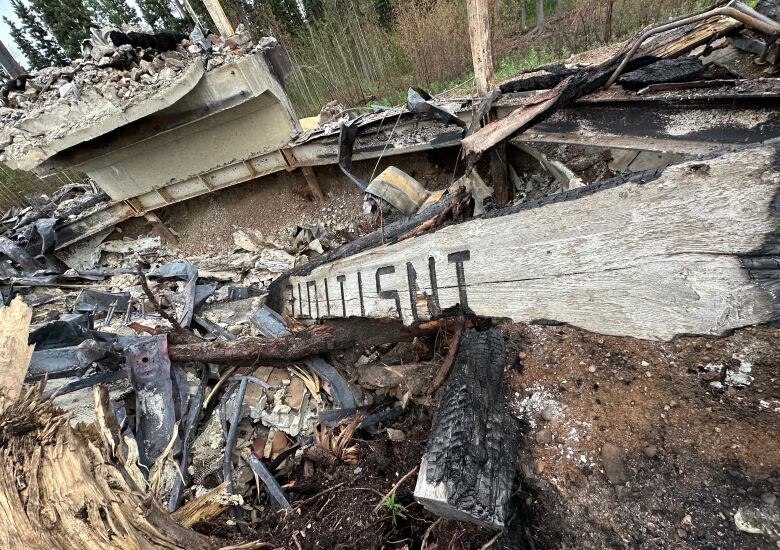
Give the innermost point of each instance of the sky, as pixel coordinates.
(5, 10)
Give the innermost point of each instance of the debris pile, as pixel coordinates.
(112, 76)
(333, 387)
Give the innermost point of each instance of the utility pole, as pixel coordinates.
(8, 62)
(217, 14)
(481, 50)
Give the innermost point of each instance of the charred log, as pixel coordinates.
(469, 464)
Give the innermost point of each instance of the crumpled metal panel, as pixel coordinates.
(149, 370)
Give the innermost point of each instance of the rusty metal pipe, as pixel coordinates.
(736, 10)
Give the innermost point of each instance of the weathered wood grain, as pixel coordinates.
(469, 463)
(14, 330)
(645, 259)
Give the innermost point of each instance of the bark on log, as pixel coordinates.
(469, 464)
(339, 334)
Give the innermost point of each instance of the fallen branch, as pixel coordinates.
(337, 334)
(444, 369)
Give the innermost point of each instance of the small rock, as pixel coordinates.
(548, 414)
(591, 369)
(539, 467)
(235, 329)
(167, 74)
(175, 63)
(522, 355)
(682, 533)
(769, 498)
(543, 437)
(651, 451)
(612, 458)
(395, 435)
(357, 470)
(645, 363)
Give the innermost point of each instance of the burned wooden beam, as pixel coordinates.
(536, 108)
(468, 467)
(652, 256)
(339, 334)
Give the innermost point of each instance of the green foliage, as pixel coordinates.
(159, 15)
(384, 10)
(111, 12)
(312, 9)
(395, 508)
(68, 20)
(512, 65)
(288, 14)
(33, 39)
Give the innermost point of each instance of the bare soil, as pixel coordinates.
(692, 453)
(275, 204)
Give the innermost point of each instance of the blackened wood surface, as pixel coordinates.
(469, 464)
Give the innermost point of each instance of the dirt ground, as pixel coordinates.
(696, 446)
(275, 204)
(626, 444)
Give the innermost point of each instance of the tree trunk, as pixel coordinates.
(540, 14)
(608, 22)
(523, 16)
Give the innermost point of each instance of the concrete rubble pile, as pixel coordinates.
(54, 101)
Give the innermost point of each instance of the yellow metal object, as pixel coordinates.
(399, 189)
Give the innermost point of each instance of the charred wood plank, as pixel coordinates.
(538, 107)
(468, 467)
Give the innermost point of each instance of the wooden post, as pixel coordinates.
(161, 228)
(217, 14)
(313, 183)
(481, 51)
(482, 57)
(8, 62)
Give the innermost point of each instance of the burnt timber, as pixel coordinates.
(651, 256)
(469, 464)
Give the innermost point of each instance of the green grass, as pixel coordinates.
(507, 67)
(395, 508)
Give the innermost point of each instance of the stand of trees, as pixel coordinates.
(49, 32)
